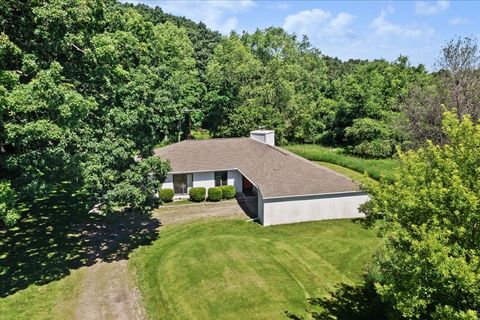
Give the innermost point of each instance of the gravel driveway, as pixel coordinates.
(171, 214)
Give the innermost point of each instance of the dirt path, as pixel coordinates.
(108, 290)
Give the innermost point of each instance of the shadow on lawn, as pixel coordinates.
(58, 234)
(347, 302)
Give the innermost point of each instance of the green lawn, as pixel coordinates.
(375, 168)
(354, 175)
(55, 300)
(218, 269)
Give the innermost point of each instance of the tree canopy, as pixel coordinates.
(430, 267)
(87, 96)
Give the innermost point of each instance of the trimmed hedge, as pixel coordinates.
(228, 192)
(197, 194)
(214, 194)
(166, 195)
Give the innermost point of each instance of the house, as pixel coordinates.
(288, 188)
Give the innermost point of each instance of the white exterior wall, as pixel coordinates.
(270, 139)
(206, 180)
(168, 184)
(311, 208)
(203, 179)
(260, 207)
(264, 136)
(235, 179)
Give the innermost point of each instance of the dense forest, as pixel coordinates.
(89, 88)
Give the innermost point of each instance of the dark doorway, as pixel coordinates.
(247, 186)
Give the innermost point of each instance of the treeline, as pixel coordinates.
(88, 88)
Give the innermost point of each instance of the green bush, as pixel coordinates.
(214, 194)
(373, 149)
(200, 134)
(197, 194)
(228, 192)
(166, 195)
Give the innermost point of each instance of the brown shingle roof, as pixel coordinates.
(274, 170)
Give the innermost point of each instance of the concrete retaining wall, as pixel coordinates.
(311, 208)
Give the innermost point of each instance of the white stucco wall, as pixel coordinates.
(203, 179)
(235, 179)
(260, 208)
(311, 208)
(264, 136)
(168, 184)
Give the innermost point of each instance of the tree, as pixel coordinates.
(454, 86)
(9, 213)
(371, 138)
(87, 90)
(266, 71)
(46, 122)
(231, 73)
(374, 92)
(430, 266)
(459, 63)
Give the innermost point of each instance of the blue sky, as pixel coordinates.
(346, 29)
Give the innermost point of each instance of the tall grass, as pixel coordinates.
(375, 168)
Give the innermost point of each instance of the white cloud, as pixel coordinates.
(217, 15)
(278, 5)
(318, 23)
(430, 8)
(458, 20)
(384, 28)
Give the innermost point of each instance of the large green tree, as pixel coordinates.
(370, 99)
(430, 266)
(87, 89)
(267, 78)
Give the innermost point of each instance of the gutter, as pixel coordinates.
(326, 195)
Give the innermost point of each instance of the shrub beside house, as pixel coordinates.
(200, 194)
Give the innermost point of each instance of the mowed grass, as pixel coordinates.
(219, 269)
(354, 175)
(375, 168)
(56, 300)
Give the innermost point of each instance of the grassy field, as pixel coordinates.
(55, 300)
(218, 269)
(354, 175)
(375, 168)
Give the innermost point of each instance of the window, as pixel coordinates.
(221, 178)
(181, 183)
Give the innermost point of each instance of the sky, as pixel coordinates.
(344, 29)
